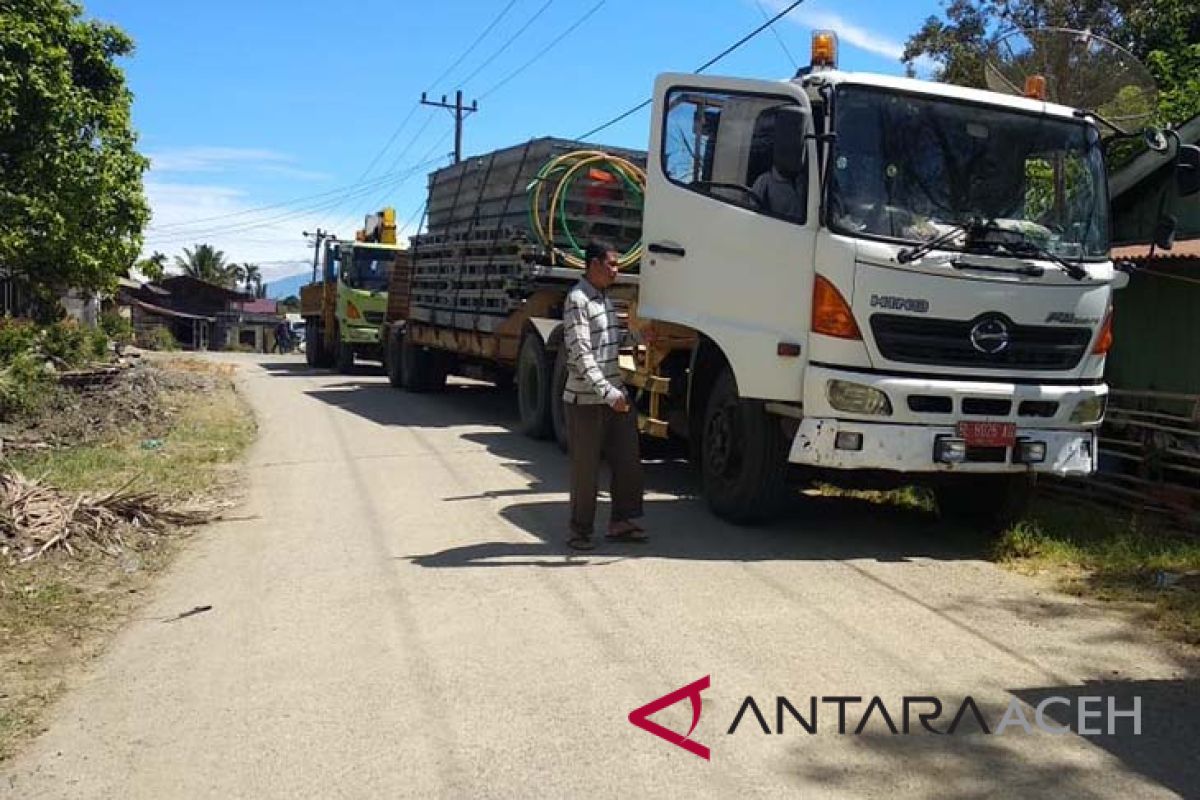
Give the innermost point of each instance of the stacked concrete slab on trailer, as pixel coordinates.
(479, 261)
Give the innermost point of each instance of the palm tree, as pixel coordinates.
(208, 264)
(252, 277)
(153, 267)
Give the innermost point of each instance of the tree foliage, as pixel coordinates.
(208, 264)
(1163, 34)
(72, 207)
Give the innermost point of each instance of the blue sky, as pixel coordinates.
(258, 103)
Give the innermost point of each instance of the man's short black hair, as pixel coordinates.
(598, 249)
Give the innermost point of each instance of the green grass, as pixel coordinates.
(1110, 555)
(208, 432)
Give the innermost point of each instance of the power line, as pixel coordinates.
(508, 43)
(791, 7)
(171, 226)
(474, 44)
(370, 186)
(783, 45)
(543, 51)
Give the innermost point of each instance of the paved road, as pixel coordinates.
(394, 616)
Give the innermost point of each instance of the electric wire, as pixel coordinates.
(543, 51)
(711, 62)
(511, 39)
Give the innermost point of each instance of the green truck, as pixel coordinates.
(345, 305)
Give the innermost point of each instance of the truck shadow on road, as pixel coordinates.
(681, 526)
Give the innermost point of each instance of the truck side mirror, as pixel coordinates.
(1187, 170)
(1164, 232)
(789, 140)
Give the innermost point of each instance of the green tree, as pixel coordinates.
(72, 207)
(208, 264)
(154, 266)
(1163, 34)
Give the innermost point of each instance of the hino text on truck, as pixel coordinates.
(865, 279)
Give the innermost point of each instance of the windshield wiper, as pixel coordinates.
(1030, 248)
(971, 226)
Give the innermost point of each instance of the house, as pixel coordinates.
(198, 314)
(1155, 318)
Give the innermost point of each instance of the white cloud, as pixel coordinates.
(853, 34)
(204, 159)
(273, 238)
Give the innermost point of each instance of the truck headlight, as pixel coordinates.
(1090, 410)
(855, 398)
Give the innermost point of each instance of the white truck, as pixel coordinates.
(871, 279)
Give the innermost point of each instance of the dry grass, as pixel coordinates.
(59, 610)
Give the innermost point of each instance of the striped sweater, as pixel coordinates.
(592, 335)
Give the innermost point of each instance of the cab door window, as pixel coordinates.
(742, 149)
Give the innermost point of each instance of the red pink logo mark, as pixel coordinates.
(641, 717)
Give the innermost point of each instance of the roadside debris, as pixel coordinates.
(36, 518)
(193, 612)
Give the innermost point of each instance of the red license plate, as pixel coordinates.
(988, 434)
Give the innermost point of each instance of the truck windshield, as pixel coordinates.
(909, 168)
(369, 269)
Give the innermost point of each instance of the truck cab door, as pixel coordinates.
(730, 223)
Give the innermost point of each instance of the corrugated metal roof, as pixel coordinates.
(1187, 249)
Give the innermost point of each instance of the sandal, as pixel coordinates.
(581, 543)
(630, 533)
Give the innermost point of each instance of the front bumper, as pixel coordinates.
(926, 410)
(909, 448)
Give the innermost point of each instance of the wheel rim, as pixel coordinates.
(721, 436)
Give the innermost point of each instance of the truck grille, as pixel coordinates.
(947, 342)
(373, 317)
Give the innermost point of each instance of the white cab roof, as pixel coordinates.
(935, 89)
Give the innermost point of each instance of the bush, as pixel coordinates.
(16, 336)
(99, 344)
(116, 327)
(22, 383)
(159, 338)
(68, 344)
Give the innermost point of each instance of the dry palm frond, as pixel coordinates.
(36, 518)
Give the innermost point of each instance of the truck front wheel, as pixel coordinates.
(533, 388)
(987, 502)
(345, 355)
(743, 458)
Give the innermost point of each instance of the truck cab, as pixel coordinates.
(344, 311)
(922, 280)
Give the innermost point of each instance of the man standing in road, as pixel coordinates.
(600, 419)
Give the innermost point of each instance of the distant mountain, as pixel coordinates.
(280, 288)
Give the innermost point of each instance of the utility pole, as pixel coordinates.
(460, 113)
(321, 236)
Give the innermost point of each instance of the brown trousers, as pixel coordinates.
(597, 431)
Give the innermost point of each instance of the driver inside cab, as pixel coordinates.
(782, 190)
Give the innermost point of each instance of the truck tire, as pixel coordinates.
(312, 347)
(321, 356)
(421, 369)
(558, 409)
(391, 359)
(743, 458)
(988, 503)
(534, 373)
(345, 356)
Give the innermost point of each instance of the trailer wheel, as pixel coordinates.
(391, 358)
(533, 388)
(312, 347)
(558, 409)
(421, 369)
(743, 459)
(988, 503)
